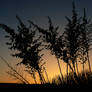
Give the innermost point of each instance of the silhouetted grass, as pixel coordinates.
(83, 80)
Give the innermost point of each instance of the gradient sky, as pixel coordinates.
(37, 11)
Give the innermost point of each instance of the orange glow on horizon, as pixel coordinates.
(51, 68)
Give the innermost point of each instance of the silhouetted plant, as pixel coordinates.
(15, 76)
(86, 39)
(46, 74)
(72, 39)
(26, 46)
(53, 40)
(32, 73)
(14, 72)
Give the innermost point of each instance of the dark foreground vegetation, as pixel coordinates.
(10, 85)
(83, 80)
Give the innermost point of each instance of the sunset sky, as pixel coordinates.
(37, 11)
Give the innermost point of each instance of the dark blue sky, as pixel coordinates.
(37, 10)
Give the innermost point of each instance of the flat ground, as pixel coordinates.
(10, 85)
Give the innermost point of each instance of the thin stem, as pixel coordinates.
(14, 70)
(77, 67)
(15, 76)
(46, 74)
(67, 73)
(41, 77)
(34, 79)
(89, 62)
(83, 68)
(74, 67)
(70, 67)
(60, 69)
